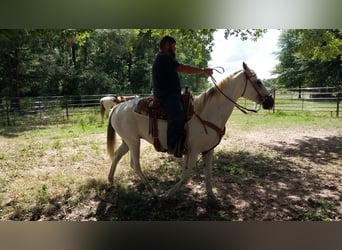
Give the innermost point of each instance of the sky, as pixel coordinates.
(258, 55)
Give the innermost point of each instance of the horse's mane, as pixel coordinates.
(211, 93)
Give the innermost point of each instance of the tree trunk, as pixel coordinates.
(73, 53)
(14, 80)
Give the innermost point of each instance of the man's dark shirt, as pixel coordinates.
(164, 76)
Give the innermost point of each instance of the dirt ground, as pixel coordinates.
(276, 175)
(271, 174)
(301, 176)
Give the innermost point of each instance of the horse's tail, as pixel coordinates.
(111, 138)
(102, 108)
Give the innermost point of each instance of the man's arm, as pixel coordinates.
(182, 68)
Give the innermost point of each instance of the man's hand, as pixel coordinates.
(208, 71)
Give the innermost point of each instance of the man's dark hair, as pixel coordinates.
(166, 39)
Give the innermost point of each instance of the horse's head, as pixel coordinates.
(255, 89)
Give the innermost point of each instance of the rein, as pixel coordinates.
(240, 107)
(211, 125)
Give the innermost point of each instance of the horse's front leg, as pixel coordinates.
(208, 166)
(190, 162)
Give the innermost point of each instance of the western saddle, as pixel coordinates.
(151, 107)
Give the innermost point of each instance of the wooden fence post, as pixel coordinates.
(274, 98)
(66, 107)
(7, 111)
(338, 100)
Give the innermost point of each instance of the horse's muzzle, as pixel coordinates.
(268, 102)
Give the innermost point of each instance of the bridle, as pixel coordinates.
(248, 79)
(218, 130)
(243, 109)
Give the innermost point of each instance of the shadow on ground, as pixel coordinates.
(327, 150)
(286, 184)
(250, 186)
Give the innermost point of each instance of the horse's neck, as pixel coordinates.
(218, 109)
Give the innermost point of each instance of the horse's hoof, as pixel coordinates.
(109, 186)
(110, 180)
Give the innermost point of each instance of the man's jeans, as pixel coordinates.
(176, 120)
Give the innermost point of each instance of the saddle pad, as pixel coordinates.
(148, 105)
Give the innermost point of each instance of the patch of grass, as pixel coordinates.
(57, 144)
(41, 162)
(170, 167)
(78, 125)
(76, 199)
(320, 210)
(268, 119)
(43, 195)
(241, 165)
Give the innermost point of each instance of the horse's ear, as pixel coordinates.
(244, 65)
(246, 69)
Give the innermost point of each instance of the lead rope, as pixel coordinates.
(243, 109)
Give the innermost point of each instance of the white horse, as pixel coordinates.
(204, 130)
(108, 102)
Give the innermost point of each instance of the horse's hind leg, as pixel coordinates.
(135, 164)
(121, 151)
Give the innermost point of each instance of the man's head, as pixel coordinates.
(168, 45)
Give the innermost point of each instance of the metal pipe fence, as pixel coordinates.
(45, 110)
(319, 99)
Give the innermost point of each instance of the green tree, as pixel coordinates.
(309, 58)
(319, 44)
(14, 54)
(142, 55)
(245, 34)
(106, 70)
(73, 61)
(11, 42)
(289, 69)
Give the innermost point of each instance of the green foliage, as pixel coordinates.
(244, 34)
(96, 61)
(309, 58)
(319, 44)
(69, 62)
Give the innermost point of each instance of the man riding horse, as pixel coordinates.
(167, 91)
